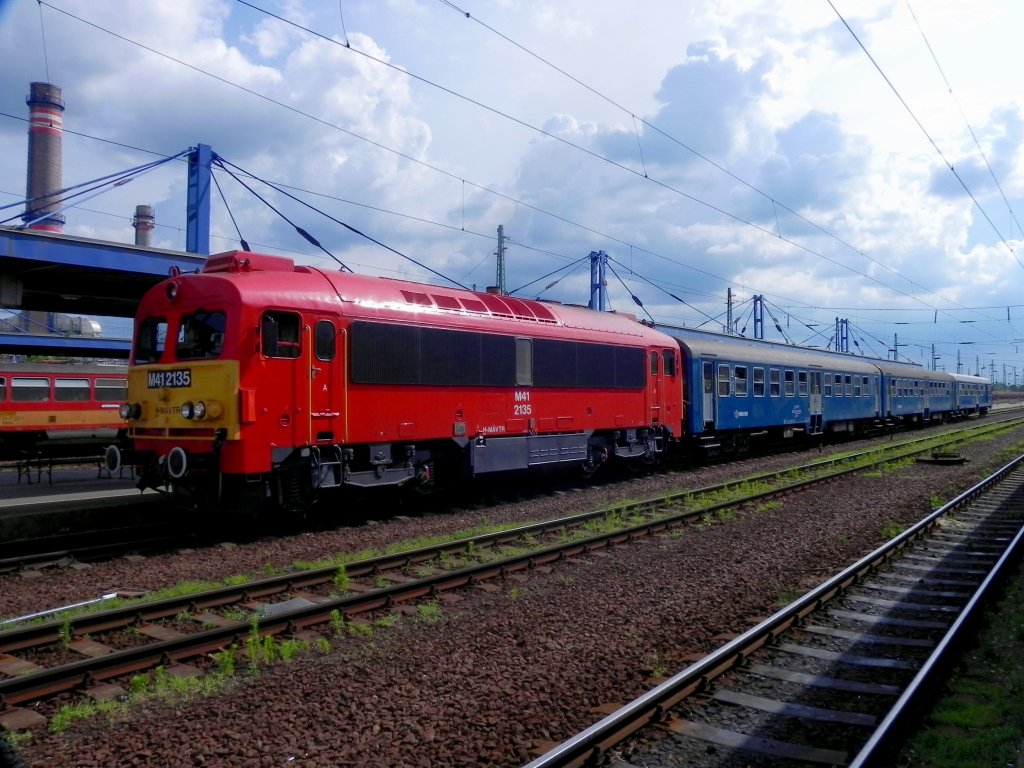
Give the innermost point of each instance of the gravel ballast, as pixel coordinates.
(495, 673)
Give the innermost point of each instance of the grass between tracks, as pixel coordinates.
(979, 723)
(980, 720)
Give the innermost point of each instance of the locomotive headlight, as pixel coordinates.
(187, 410)
(130, 411)
(199, 411)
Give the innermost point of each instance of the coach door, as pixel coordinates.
(325, 383)
(815, 403)
(708, 385)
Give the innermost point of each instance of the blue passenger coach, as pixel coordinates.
(971, 394)
(911, 394)
(736, 389)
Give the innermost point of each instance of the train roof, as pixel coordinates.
(259, 280)
(890, 368)
(69, 369)
(966, 378)
(708, 344)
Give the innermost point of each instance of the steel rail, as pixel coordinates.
(36, 634)
(118, 663)
(592, 743)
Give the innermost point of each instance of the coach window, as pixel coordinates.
(839, 385)
(149, 344)
(669, 356)
(759, 382)
(801, 383)
(741, 381)
(324, 338)
(867, 387)
(790, 384)
(200, 336)
(849, 386)
(774, 382)
(71, 390)
(279, 334)
(524, 362)
(723, 381)
(111, 390)
(856, 387)
(828, 385)
(3, 389)
(29, 390)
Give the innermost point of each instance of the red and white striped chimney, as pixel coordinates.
(45, 133)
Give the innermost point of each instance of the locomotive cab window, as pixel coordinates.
(149, 344)
(654, 363)
(200, 336)
(324, 340)
(3, 388)
(280, 334)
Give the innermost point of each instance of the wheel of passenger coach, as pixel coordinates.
(112, 459)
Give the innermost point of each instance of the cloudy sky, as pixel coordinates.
(851, 159)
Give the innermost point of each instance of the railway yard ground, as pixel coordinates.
(494, 674)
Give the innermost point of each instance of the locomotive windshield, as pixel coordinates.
(149, 344)
(200, 336)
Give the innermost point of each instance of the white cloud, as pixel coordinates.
(778, 94)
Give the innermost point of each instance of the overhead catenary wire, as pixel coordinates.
(622, 166)
(967, 123)
(928, 136)
(704, 158)
(687, 266)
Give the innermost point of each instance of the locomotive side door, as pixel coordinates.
(655, 393)
(325, 382)
(283, 396)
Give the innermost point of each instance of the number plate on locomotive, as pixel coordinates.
(181, 377)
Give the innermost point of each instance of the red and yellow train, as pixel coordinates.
(259, 382)
(58, 410)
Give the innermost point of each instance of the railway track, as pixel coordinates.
(93, 654)
(156, 527)
(838, 676)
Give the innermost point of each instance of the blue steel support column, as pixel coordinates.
(598, 289)
(197, 232)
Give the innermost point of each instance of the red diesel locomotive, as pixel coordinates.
(257, 382)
